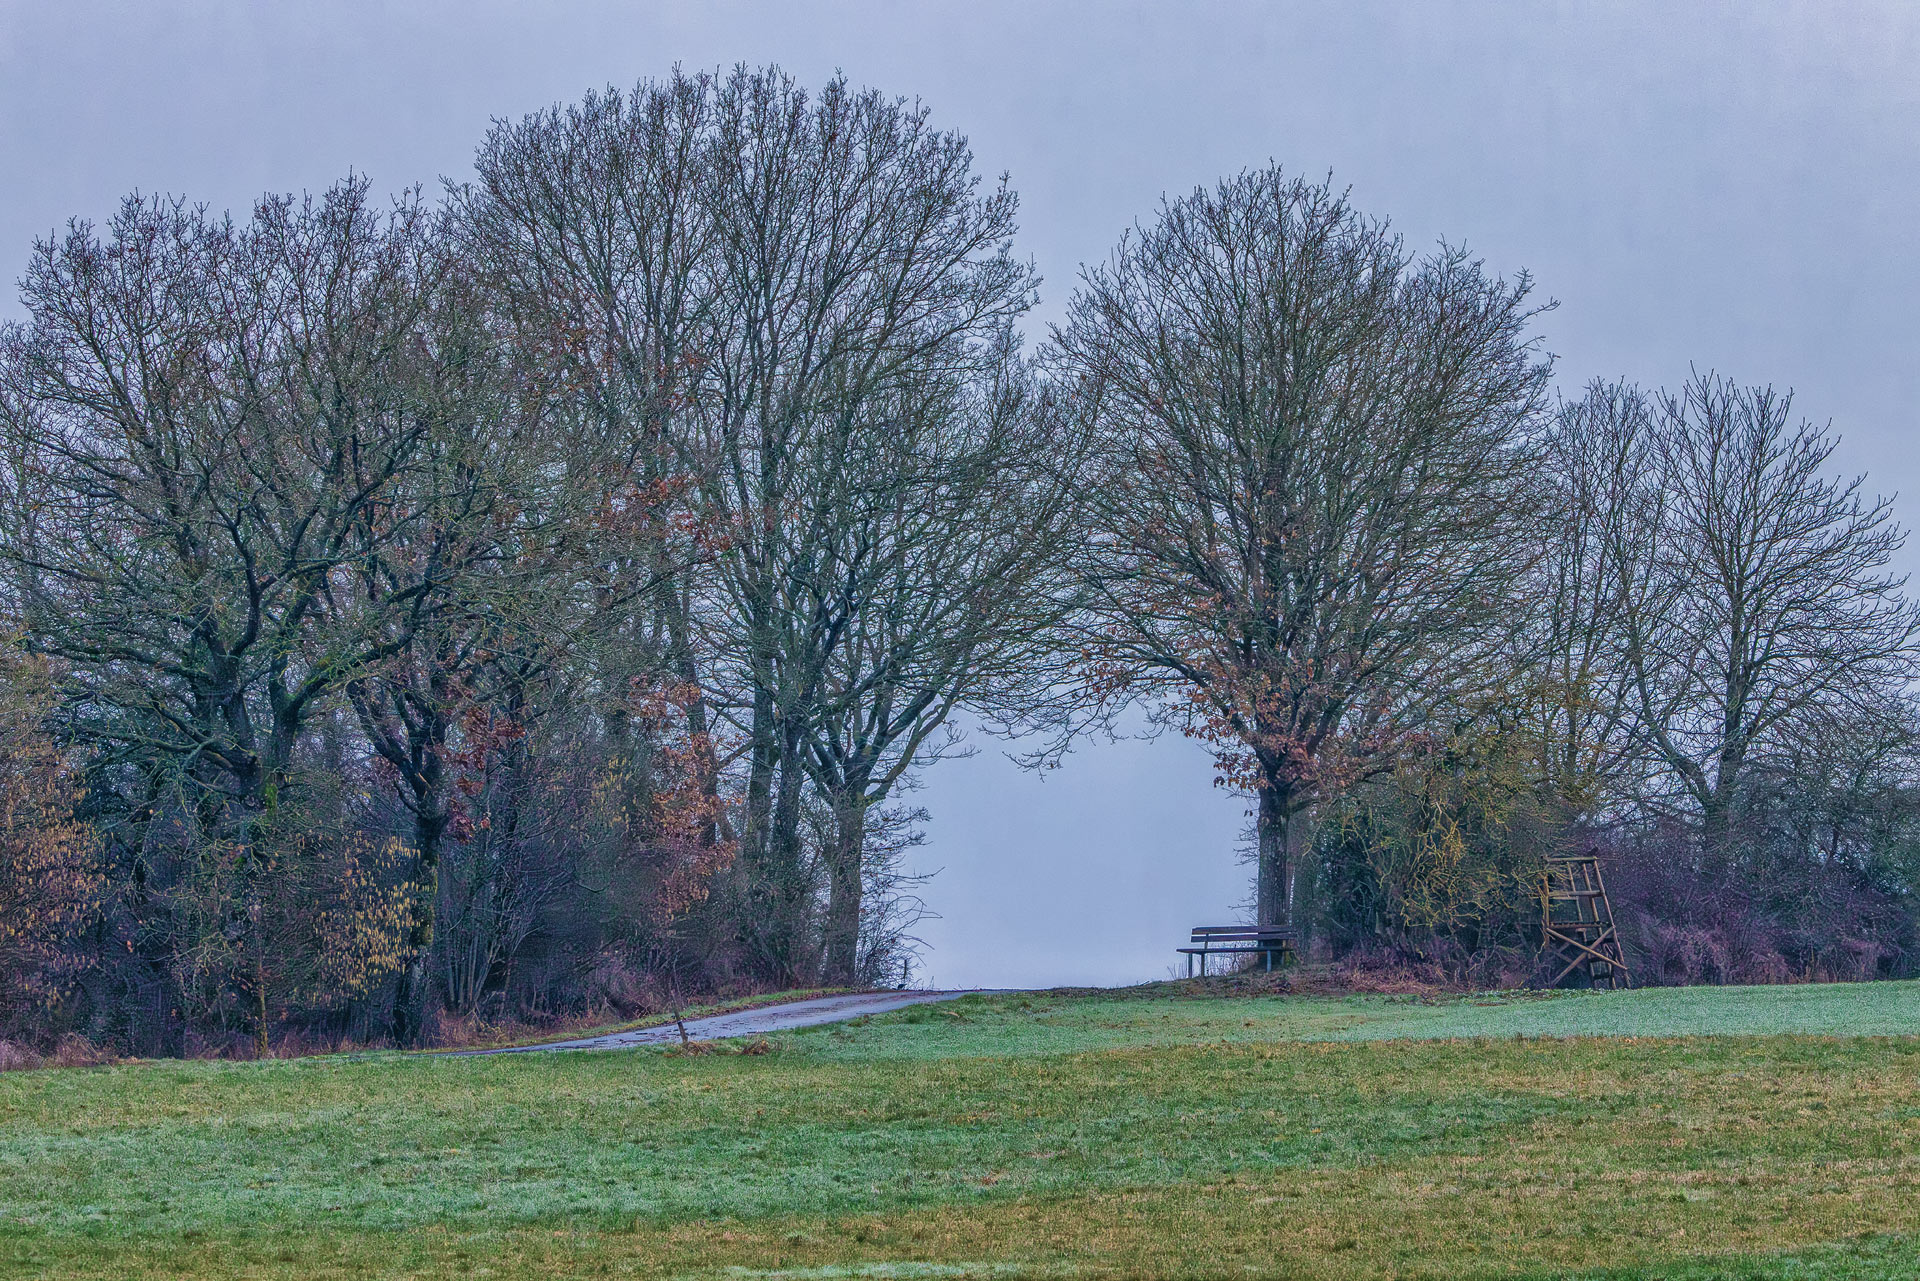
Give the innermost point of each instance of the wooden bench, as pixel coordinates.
(1217, 940)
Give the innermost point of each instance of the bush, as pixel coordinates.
(49, 877)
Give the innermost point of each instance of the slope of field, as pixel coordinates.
(1721, 1133)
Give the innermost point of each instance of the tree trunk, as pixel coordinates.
(786, 875)
(1716, 816)
(760, 763)
(1270, 876)
(1716, 821)
(680, 654)
(409, 1006)
(771, 848)
(261, 1048)
(846, 869)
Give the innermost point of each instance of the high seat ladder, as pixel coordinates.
(1576, 923)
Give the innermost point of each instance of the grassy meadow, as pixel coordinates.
(1761, 1132)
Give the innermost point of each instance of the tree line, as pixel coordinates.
(542, 599)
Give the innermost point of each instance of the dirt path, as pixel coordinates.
(756, 1022)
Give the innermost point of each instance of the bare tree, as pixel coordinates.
(593, 223)
(855, 260)
(942, 584)
(1763, 599)
(499, 537)
(1569, 668)
(201, 419)
(746, 279)
(1305, 523)
(208, 424)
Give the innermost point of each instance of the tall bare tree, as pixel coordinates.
(499, 537)
(207, 425)
(1763, 597)
(201, 419)
(1569, 670)
(594, 224)
(942, 584)
(747, 278)
(1305, 525)
(855, 259)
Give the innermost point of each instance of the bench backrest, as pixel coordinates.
(1242, 934)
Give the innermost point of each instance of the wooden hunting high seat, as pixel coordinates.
(1576, 923)
(1269, 941)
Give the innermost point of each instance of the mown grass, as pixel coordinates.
(1155, 1135)
(1181, 1014)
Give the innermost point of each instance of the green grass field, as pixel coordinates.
(1676, 1133)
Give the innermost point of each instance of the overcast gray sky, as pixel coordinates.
(1728, 185)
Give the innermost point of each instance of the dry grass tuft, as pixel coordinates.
(17, 1058)
(691, 1049)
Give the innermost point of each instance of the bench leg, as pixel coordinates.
(1189, 965)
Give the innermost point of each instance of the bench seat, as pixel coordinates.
(1217, 940)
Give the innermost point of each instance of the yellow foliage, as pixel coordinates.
(49, 876)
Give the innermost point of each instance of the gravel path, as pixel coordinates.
(756, 1022)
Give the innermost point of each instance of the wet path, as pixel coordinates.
(755, 1022)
